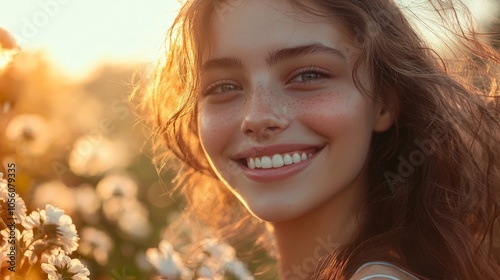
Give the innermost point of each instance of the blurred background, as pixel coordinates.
(66, 122)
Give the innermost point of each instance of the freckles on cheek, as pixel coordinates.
(327, 111)
(213, 122)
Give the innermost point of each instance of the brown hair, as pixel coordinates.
(433, 201)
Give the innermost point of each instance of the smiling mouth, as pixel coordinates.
(278, 160)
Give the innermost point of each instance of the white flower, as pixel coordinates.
(238, 269)
(222, 257)
(56, 193)
(53, 227)
(134, 221)
(130, 214)
(166, 261)
(93, 156)
(19, 210)
(116, 185)
(54, 215)
(86, 201)
(61, 267)
(95, 243)
(114, 207)
(219, 250)
(205, 272)
(30, 133)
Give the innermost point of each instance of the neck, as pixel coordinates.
(301, 242)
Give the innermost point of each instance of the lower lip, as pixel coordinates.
(275, 174)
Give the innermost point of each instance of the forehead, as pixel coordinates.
(253, 25)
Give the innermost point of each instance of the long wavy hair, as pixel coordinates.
(433, 199)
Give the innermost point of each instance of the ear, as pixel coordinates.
(384, 116)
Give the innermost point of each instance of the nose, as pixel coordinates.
(265, 116)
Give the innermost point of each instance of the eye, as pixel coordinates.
(226, 88)
(308, 75)
(221, 87)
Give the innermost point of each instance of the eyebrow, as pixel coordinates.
(223, 62)
(275, 56)
(288, 53)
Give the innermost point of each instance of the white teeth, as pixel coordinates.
(277, 160)
(251, 163)
(266, 162)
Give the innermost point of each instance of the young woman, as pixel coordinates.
(367, 154)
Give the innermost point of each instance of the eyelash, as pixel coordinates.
(309, 70)
(209, 90)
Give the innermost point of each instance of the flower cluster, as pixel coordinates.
(217, 261)
(60, 266)
(48, 237)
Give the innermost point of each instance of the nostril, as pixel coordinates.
(264, 128)
(267, 135)
(249, 132)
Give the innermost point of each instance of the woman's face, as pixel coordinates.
(279, 116)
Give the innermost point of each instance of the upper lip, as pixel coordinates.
(274, 149)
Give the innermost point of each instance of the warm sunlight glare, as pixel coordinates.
(79, 34)
(5, 58)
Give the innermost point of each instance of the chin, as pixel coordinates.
(273, 212)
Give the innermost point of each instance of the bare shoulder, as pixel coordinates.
(377, 271)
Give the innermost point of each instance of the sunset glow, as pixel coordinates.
(77, 34)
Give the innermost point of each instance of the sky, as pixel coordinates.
(78, 34)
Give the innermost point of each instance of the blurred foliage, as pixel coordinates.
(68, 137)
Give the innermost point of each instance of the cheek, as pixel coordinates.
(346, 123)
(336, 113)
(215, 127)
(213, 121)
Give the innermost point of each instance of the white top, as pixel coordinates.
(383, 275)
